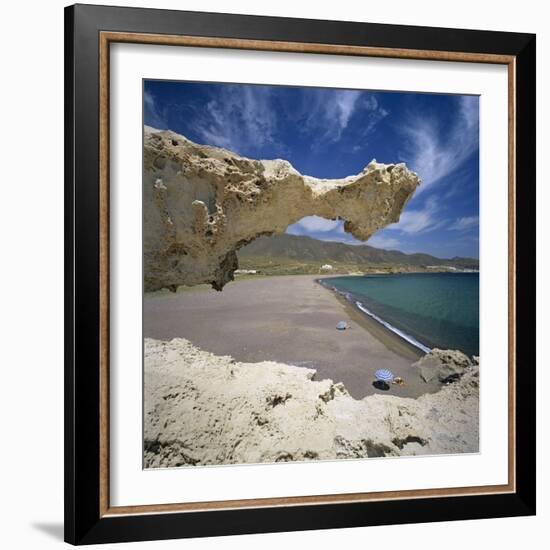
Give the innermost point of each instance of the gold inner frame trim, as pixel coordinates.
(108, 37)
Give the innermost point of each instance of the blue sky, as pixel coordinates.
(333, 133)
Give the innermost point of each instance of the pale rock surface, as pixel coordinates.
(445, 365)
(201, 204)
(205, 409)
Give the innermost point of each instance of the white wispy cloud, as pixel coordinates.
(434, 153)
(344, 105)
(152, 113)
(314, 224)
(467, 222)
(329, 113)
(381, 241)
(323, 230)
(420, 220)
(247, 118)
(239, 118)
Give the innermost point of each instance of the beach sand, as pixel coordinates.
(288, 319)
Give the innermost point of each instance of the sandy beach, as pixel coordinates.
(288, 319)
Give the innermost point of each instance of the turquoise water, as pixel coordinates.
(429, 309)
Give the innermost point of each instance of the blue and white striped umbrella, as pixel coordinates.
(384, 374)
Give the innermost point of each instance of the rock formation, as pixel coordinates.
(445, 365)
(202, 203)
(203, 409)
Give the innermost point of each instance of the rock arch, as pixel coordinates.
(202, 203)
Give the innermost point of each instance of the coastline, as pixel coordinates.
(428, 311)
(290, 320)
(388, 337)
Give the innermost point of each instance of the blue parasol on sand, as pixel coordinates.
(385, 375)
(342, 325)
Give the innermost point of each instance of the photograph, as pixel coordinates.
(310, 274)
(299, 273)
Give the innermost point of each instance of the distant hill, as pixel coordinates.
(291, 250)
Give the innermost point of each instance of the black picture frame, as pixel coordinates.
(84, 522)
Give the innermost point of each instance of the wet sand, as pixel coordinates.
(292, 320)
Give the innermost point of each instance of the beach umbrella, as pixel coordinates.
(384, 374)
(342, 325)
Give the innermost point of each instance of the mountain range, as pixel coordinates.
(293, 249)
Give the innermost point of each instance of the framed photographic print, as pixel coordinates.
(299, 274)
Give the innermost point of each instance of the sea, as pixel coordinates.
(429, 310)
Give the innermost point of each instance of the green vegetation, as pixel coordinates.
(294, 255)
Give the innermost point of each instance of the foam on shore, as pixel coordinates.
(359, 305)
(404, 335)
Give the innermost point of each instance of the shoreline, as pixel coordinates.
(290, 320)
(391, 337)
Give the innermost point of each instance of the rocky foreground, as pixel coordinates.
(205, 409)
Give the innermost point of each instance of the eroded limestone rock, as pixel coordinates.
(202, 203)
